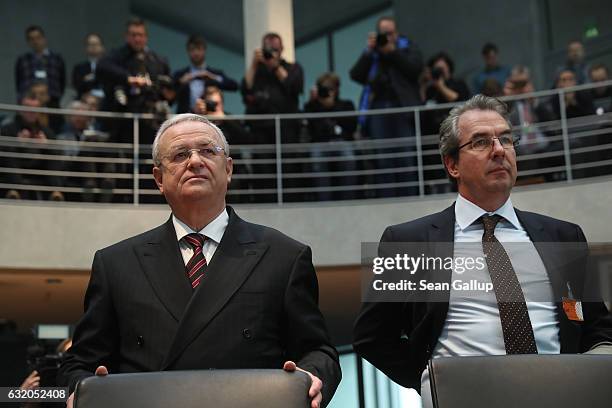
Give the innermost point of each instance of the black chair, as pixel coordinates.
(191, 389)
(542, 381)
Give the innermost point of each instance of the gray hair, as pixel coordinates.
(449, 129)
(185, 117)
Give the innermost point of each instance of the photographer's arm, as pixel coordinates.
(291, 78)
(249, 77)
(447, 93)
(110, 72)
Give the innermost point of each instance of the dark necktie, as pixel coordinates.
(515, 322)
(197, 264)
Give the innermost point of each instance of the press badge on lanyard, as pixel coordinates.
(572, 307)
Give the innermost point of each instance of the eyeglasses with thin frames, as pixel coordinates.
(482, 143)
(182, 155)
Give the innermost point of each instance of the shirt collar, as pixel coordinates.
(466, 213)
(45, 53)
(214, 230)
(199, 68)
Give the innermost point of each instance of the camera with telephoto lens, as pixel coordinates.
(437, 73)
(382, 39)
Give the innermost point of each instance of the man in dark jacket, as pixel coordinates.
(135, 79)
(40, 65)
(330, 132)
(84, 78)
(191, 81)
(389, 69)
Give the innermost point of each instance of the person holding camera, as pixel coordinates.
(135, 79)
(389, 70)
(333, 131)
(191, 81)
(272, 85)
(211, 104)
(439, 86)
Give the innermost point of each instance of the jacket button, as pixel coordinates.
(246, 333)
(140, 341)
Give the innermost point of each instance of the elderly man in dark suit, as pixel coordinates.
(206, 289)
(534, 306)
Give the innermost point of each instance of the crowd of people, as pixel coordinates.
(391, 69)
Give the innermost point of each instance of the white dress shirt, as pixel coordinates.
(472, 325)
(213, 232)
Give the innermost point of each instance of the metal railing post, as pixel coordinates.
(419, 151)
(566, 142)
(279, 170)
(136, 170)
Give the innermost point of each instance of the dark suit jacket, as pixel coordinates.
(256, 307)
(183, 92)
(401, 68)
(79, 83)
(398, 338)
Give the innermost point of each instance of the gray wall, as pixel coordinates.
(66, 22)
(65, 236)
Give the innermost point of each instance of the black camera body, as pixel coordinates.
(268, 53)
(211, 106)
(42, 359)
(382, 39)
(437, 73)
(323, 91)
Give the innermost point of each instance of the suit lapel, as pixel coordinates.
(164, 268)
(232, 263)
(542, 240)
(441, 236)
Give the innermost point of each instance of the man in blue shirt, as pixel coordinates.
(492, 69)
(191, 81)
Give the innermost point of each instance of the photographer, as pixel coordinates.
(212, 103)
(389, 70)
(272, 85)
(439, 86)
(191, 81)
(337, 131)
(135, 79)
(44, 369)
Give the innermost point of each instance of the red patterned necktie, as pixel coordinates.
(515, 322)
(197, 264)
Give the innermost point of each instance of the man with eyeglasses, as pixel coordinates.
(206, 289)
(533, 307)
